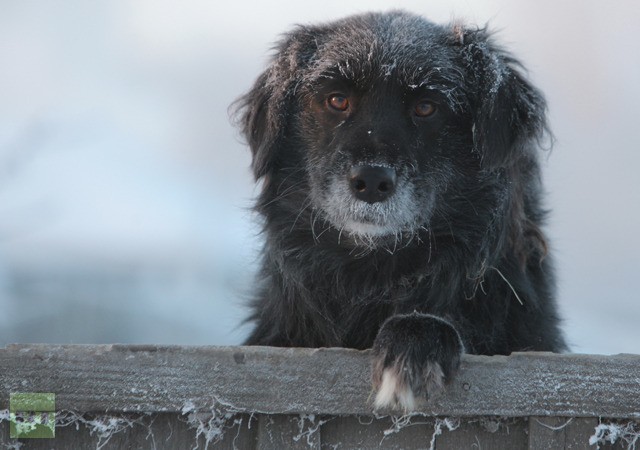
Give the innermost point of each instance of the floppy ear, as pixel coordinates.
(508, 112)
(263, 112)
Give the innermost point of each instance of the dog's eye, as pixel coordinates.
(338, 102)
(425, 108)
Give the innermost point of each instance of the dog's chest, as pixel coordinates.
(358, 312)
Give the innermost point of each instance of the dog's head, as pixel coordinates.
(390, 116)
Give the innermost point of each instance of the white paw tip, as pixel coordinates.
(393, 391)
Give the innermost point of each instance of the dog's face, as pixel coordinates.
(394, 120)
(381, 144)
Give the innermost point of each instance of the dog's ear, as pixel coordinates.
(264, 112)
(508, 112)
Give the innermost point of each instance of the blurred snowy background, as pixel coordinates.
(124, 189)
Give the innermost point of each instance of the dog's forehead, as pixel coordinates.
(412, 49)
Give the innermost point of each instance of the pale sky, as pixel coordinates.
(116, 152)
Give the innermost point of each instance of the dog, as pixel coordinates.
(400, 193)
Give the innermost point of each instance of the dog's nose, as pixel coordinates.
(372, 184)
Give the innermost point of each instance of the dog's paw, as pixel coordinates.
(414, 357)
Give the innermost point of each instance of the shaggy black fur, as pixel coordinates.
(447, 255)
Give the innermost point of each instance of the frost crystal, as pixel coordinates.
(614, 432)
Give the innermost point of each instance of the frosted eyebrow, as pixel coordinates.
(448, 86)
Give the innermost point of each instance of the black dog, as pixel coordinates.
(401, 199)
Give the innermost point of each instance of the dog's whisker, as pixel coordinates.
(305, 205)
(324, 231)
(293, 189)
(314, 218)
